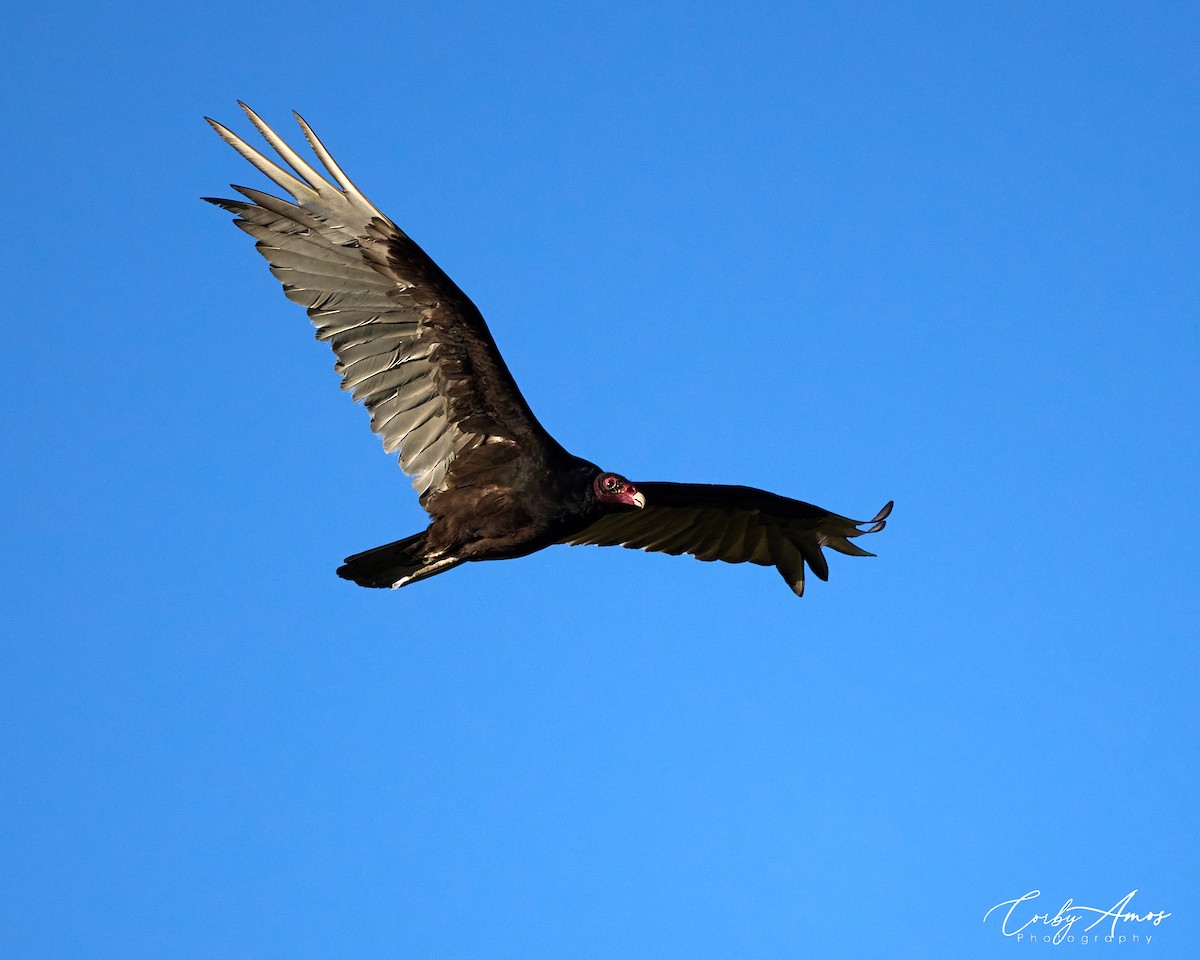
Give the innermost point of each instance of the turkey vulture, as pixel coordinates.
(415, 350)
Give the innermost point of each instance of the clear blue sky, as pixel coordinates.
(942, 253)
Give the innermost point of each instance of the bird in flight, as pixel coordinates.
(415, 351)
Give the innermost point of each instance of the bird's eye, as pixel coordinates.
(612, 484)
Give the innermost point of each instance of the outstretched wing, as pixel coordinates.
(410, 345)
(734, 524)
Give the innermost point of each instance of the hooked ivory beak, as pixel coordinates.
(638, 500)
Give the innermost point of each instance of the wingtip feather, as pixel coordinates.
(877, 523)
(335, 171)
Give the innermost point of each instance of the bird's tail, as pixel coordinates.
(394, 564)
